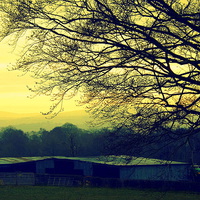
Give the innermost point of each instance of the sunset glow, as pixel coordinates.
(14, 94)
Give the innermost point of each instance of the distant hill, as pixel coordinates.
(35, 121)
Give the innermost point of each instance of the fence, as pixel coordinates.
(79, 181)
(17, 179)
(56, 180)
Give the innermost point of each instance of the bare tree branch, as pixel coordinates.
(135, 62)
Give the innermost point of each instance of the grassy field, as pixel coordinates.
(67, 193)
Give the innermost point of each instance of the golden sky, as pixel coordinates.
(13, 87)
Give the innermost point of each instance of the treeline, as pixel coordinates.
(69, 140)
(66, 140)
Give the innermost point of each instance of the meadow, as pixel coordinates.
(73, 193)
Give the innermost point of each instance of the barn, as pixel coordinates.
(121, 168)
(133, 168)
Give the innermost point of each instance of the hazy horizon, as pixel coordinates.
(34, 121)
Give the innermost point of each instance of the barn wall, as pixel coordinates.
(156, 172)
(86, 167)
(64, 166)
(19, 167)
(106, 171)
(43, 165)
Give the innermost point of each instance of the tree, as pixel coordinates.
(136, 62)
(54, 142)
(14, 143)
(35, 145)
(72, 133)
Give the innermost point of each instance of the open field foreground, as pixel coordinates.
(70, 193)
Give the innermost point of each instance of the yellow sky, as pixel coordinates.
(13, 88)
(13, 91)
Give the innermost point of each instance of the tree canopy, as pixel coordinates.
(136, 62)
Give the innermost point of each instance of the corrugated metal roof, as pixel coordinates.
(126, 160)
(13, 160)
(110, 160)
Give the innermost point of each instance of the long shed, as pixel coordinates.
(119, 167)
(132, 168)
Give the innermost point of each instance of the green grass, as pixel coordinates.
(68, 193)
